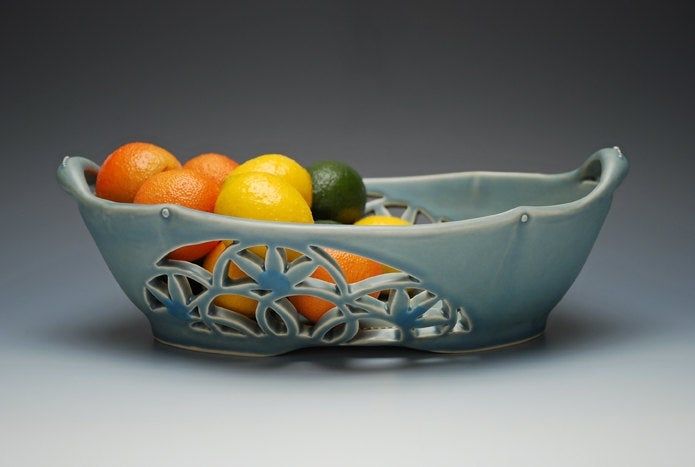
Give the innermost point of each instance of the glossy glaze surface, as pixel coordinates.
(510, 247)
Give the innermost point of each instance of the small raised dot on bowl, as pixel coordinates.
(165, 213)
(524, 218)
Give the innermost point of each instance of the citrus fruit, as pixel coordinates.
(185, 188)
(262, 196)
(125, 169)
(382, 220)
(244, 305)
(338, 192)
(213, 165)
(283, 167)
(355, 268)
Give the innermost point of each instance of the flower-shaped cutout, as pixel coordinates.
(389, 307)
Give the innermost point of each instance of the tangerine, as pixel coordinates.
(213, 165)
(127, 168)
(186, 188)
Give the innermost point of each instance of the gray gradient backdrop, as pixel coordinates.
(394, 88)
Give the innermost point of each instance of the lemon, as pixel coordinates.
(382, 220)
(262, 196)
(282, 166)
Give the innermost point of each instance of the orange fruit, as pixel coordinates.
(125, 170)
(244, 305)
(185, 188)
(213, 165)
(355, 268)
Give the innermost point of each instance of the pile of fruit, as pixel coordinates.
(269, 187)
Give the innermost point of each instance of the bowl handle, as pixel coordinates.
(73, 175)
(608, 167)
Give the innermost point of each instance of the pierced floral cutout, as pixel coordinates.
(378, 204)
(389, 307)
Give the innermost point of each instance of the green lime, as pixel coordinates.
(338, 192)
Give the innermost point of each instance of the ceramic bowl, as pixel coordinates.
(490, 256)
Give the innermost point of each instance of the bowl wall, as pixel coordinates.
(461, 285)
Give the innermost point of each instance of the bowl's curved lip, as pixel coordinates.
(614, 169)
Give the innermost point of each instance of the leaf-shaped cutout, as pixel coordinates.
(372, 205)
(157, 293)
(409, 214)
(423, 217)
(275, 259)
(437, 320)
(370, 305)
(277, 318)
(249, 263)
(271, 322)
(196, 287)
(335, 327)
(335, 334)
(397, 209)
(398, 302)
(200, 326)
(379, 335)
(331, 266)
(300, 269)
(429, 331)
(179, 289)
(464, 324)
(228, 330)
(420, 296)
(422, 303)
(331, 318)
(234, 320)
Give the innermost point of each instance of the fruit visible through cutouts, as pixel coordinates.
(354, 267)
(244, 305)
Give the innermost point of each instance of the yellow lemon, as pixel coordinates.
(282, 166)
(382, 220)
(262, 196)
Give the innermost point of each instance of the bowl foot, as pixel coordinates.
(490, 348)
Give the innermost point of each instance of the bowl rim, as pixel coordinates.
(73, 171)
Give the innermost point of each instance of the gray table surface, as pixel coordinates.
(407, 90)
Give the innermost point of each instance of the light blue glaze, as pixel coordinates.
(511, 248)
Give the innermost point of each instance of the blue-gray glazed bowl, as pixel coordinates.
(496, 253)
